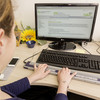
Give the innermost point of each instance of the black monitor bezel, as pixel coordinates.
(69, 5)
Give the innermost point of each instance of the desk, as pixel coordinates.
(78, 87)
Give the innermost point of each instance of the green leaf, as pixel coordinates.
(22, 26)
(28, 28)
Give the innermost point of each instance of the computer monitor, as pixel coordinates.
(65, 23)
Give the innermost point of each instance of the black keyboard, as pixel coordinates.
(76, 61)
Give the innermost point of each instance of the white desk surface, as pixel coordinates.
(78, 87)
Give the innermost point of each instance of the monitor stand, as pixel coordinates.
(62, 45)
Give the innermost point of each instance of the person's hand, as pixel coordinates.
(39, 73)
(64, 78)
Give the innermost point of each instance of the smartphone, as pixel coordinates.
(14, 61)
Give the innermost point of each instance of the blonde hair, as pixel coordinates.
(6, 16)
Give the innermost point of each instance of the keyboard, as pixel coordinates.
(76, 61)
(86, 65)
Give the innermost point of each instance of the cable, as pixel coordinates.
(86, 50)
(32, 56)
(97, 48)
(96, 43)
(85, 43)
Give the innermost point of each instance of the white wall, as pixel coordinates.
(25, 12)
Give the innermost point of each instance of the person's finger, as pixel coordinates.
(59, 72)
(46, 73)
(63, 69)
(40, 65)
(44, 66)
(67, 69)
(73, 74)
(35, 67)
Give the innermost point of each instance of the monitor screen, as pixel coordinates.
(65, 22)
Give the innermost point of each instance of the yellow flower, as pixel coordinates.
(28, 35)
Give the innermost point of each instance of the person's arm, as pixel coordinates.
(22, 85)
(17, 87)
(64, 78)
(61, 96)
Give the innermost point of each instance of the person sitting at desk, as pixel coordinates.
(7, 47)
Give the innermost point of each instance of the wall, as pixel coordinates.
(24, 11)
